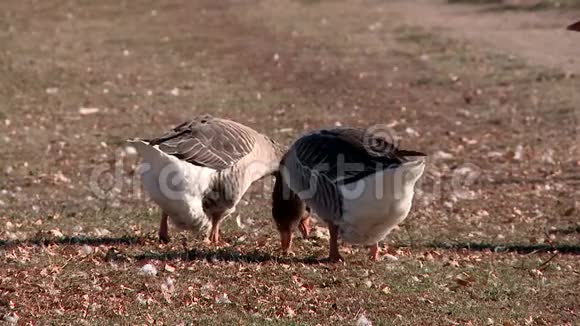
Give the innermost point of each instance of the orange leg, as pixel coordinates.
(286, 239)
(334, 255)
(214, 236)
(163, 230)
(374, 252)
(305, 226)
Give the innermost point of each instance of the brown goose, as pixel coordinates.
(354, 180)
(198, 171)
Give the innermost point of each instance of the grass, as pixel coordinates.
(508, 257)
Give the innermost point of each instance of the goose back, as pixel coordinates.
(208, 141)
(318, 164)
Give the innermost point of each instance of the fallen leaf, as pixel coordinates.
(464, 279)
(56, 233)
(363, 321)
(148, 270)
(386, 289)
(169, 268)
(443, 155)
(223, 299)
(290, 312)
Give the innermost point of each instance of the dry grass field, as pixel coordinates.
(494, 234)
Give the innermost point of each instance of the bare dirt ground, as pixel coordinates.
(523, 29)
(494, 234)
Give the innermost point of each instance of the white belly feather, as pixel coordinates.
(176, 186)
(373, 206)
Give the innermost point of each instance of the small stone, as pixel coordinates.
(56, 233)
(51, 90)
(286, 130)
(223, 299)
(386, 289)
(101, 232)
(148, 270)
(443, 155)
(494, 154)
(290, 312)
(130, 150)
(518, 152)
(363, 321)
(412, 132)
(169, 268)
(88, 111)
(87, 250)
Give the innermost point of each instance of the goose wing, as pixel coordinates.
(208, 141)
(324, 160)
(345, 155)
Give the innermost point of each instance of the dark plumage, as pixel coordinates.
(325, 166)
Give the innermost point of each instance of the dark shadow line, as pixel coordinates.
(230, 254)
(517, 248)
(569, 230)
(516, 8)
(224, 254)
(517, 180)
(74, 240)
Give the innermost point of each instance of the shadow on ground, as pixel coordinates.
(509, 247)
(230, 254)
(75, 240)
(225, 254)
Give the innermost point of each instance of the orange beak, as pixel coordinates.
(286, 237)
(305, 226)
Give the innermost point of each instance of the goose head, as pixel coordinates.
(289, 212)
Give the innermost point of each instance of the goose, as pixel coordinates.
(198, 171)
(574, 27)
(355, 181)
